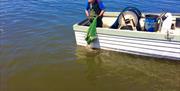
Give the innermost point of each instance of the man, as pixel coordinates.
(95, 8)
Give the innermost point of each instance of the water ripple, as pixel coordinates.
(37, 45)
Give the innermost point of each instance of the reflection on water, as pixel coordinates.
(90, 70)
(116, 71)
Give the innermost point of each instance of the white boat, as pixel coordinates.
(161, 44)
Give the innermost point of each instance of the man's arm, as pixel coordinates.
(87, 13)
(102, 12)
(87, 9)
(102, 7)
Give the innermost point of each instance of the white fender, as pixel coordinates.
(166, 25)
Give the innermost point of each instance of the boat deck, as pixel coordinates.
(109, 18)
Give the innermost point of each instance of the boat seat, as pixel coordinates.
(178, 22)
(108, 21)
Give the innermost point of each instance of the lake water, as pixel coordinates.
(38, 51)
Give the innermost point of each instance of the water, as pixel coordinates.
(38, 51)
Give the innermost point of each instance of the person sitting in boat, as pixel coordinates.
(95, 8)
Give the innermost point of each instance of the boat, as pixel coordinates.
(161, 44)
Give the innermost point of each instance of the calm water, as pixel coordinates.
(38, 51)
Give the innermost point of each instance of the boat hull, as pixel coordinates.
(133, 45)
